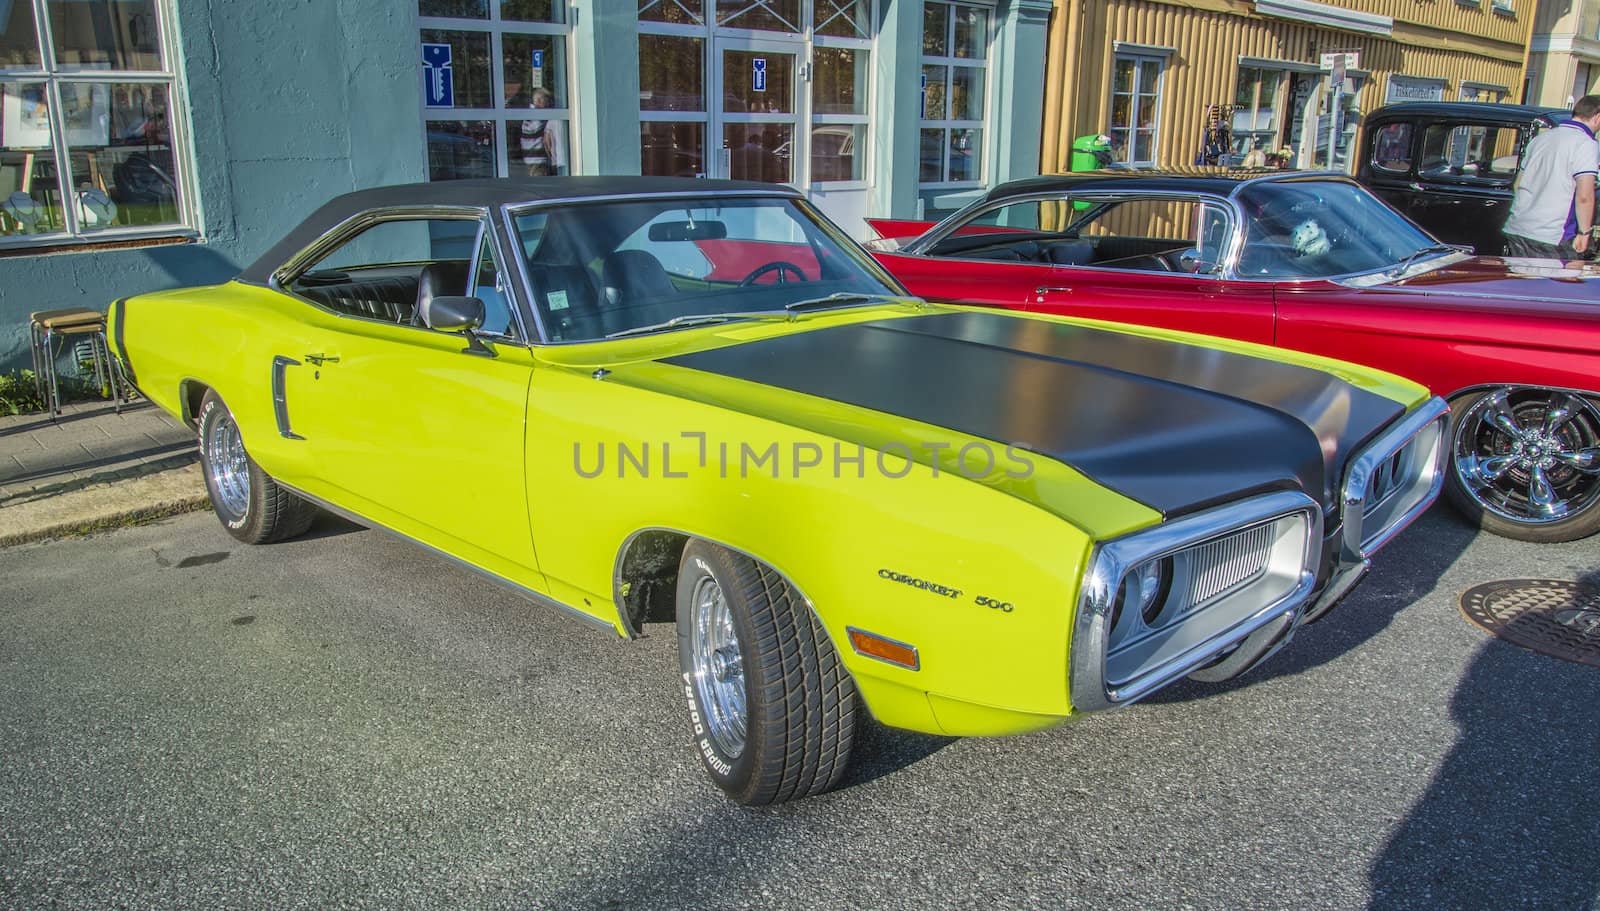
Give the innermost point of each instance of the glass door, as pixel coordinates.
(757, 112)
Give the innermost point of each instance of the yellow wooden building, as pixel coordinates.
(1154, 75)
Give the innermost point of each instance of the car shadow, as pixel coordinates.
(880, 751)
(1512, 815)
(1402, 573)
(328, 525)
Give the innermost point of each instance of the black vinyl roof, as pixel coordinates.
(1217, 180)
(487, 193)
(1475, 110)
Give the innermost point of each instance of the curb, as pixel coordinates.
(125, 473)
(105, 505)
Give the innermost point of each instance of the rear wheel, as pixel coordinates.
(772, 706)
(252, 506)
(1525, 463)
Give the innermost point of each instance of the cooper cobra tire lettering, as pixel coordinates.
(771, 704)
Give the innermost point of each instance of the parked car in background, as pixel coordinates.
(654, 398)
(1315, 263)
(1449, 166)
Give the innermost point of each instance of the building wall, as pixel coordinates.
(1564, 52)
(287, 104)
(1206, 40)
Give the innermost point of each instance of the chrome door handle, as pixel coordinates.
(320, 359)
(1045, 289)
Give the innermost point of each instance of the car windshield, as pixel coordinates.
(1321, 228)
(623, 268)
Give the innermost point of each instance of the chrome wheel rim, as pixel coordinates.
(227, 466)
(718, 667)
(1530, 455)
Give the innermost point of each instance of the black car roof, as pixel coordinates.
(485, 193)
(1476, 110)
(1219, 181)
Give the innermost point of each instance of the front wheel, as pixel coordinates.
(772, 706)
(252, 506)
(1525, 463)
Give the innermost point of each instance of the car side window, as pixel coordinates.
(1154, 234)
(1391, 148)
(1469, 153)
(488, 286)
(389, 269)
(1026, 232)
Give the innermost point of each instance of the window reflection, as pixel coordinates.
(19, 39)
(106, 34)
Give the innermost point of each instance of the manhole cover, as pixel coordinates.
(1555, 618)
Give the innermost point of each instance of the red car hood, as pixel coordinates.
(1530, 283)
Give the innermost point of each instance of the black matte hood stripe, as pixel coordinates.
(1177, 427)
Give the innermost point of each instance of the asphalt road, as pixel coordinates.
(347, 721)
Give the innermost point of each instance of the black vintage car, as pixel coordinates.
(1449, 166)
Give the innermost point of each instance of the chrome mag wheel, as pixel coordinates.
(1531, 456)
(227, 465)
(718, 667)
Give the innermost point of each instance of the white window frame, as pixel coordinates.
(502, 116)
(860, 46)
(950, 63)
(52, 74)
(1138, 57)
(1280, 91)
(712, 35)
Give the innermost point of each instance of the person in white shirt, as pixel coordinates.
(544, 144)
(1552, 205)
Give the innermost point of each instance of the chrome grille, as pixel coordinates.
(1388, 477)
(1228, 563)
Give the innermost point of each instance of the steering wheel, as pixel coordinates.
(781, 267)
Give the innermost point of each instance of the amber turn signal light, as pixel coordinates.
(884, 649)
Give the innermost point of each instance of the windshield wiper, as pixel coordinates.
(1416, 254)
(832, 300)
(694, 319)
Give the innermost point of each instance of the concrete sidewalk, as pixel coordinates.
(93, 468)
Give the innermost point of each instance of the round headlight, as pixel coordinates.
(1143, 593)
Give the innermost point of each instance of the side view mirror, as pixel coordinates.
(452, 313)
(1191, 261)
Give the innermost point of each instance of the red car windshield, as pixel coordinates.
(1322, 228)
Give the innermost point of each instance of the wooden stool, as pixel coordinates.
(45, 327)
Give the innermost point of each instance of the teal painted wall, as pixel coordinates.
(289, 103)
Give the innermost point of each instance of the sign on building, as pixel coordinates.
(1410, 88)
(438, 79)
(758, 74)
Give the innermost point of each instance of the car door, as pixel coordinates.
(1387, 165)
(1156, 261)
(1466, 170)
(418, 430)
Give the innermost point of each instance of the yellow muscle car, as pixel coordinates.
(638, 399)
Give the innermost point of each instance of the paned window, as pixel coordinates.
(1135, 109)
(495, 92)
(768, 90)
(1256, 100)
(89, 147)
(955, 75)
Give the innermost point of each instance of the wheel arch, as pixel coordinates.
(645, 578)
(1458, 394)
(191, 392)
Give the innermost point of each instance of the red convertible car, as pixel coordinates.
(1316, 263)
